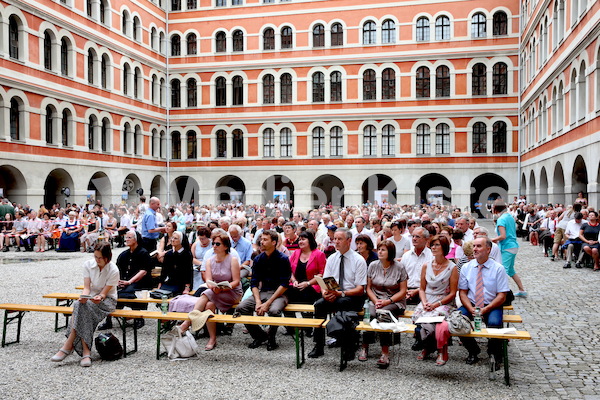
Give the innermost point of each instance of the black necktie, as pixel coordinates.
(341, 272)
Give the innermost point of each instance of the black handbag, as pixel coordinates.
(159, 293)
(108, 347)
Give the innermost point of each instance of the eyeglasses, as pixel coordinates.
(217, 244)
(417, 237)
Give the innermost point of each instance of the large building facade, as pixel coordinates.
(334, 101)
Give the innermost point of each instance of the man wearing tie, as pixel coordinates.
(350, 271)
(483, 283)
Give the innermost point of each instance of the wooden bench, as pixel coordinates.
(520, 335)
(122, 315)
(15, 312)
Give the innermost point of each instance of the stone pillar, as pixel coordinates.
(206, 196)
(302, 200)
(351, 197)
(593, 198)
(253, 197)
(461, 198)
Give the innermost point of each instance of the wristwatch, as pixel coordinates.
(343, 294)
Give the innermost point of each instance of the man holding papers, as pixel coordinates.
(350, 271)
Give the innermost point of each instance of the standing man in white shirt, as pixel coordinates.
(360, 229)
(413, 261)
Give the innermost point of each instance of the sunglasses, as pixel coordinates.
(217, 244)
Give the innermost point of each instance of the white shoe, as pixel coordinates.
(86, 361)
(59, 358)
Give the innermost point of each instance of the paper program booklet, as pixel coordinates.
(220, 285)
(328, 283)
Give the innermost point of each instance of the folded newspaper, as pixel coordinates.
(502, 331)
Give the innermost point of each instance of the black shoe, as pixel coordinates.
(5, 249)
(289, 331)
(272, 345)
(578, 265)
(18, 249)
(256, 343)
(417, 345)
(316, 352)
(552, 257)
(139, 323)
(105, 326)
(472, 359)
(567, 265)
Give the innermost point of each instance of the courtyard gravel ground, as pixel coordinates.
(562, 362)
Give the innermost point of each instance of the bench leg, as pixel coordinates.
(343, 362)
(505, 353)
(64, 303)
(158, 330)
(8, 320)
(123, 324)
(299, 339)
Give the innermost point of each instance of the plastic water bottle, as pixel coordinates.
(477, 320)
(367, 313)
(164, 306)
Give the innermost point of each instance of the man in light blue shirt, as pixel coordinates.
(495, 287)
(244, 248)
(150, 232)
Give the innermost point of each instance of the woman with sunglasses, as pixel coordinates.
(222, 267)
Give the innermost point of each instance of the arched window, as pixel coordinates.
(64, 128)
(335, 82)
(221, 42)
(124, 22)
(269, 39)
(388, 84)
(337, 34)
(268, 143)
(88, 8)
(318, 35)
(388, 31)
(47, 51)
(500, 78)
(336, 144)
(90, 66)
(442, 81)
(478, 26)
(554, 115)
(175, 93)
(582, 93)
(175, 5)
(137, 79)
(220, 91)
(192, 4)
(286, 38)
(285, 138)
(154, 39)
(238, 40)
(13, 37)
(268, 89)
(423, 140)
(442, 28)
(192, 146)
(136, 29)
(126, 138)
(423, 34)
(103, 12)
(50, 117)
(137, 140)
(176, 45)
(369, 85)
(105, 135)
(318, 87)
(64, 57)
(286, 88)
(92, 123)
(126, 73)
(238, 144)
(500, 24)
(479, 81)
(176, 146)
(499, 137)
(221, 3)
(479, 138)
(221, 144)
(423, 82)
(155, 144)
(192, 92)
(192, 48)
(154, 88)
(370, 140)
(442, 139)
(318, 142)
(560, 108)
(369, 33)
(238, 91)
(573, 98)
(388, 140)
(161, 43)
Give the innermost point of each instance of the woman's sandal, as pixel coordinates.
(363, 355)
(209, 347)
(383, 362)
(440, 360)
(86, 361)
(59, 358)
(423, 356)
